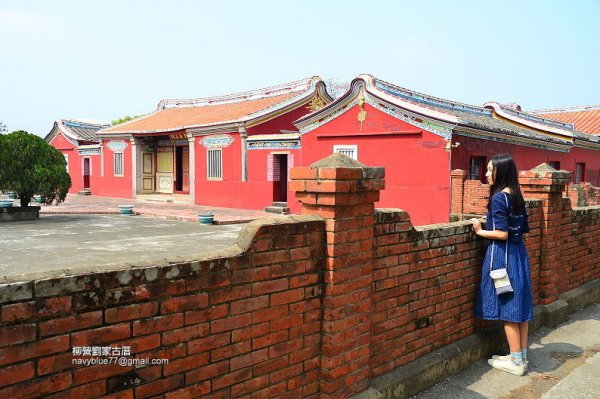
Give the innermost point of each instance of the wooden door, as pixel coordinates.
(164, 170)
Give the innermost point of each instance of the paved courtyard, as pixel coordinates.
(58, 243)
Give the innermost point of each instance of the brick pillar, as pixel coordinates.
(548, 185)
(458, 177)
(343, 191)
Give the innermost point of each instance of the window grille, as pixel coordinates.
(214, 164)
(348, 150)
(579, 172)
(118, 164)
(477, 168)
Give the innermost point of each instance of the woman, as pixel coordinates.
(506, 222)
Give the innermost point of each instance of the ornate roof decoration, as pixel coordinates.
(77, 131)
(443, 117)
(247, 108)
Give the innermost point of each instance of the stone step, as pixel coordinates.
(278, 210)
(85, 191)
(280, 204)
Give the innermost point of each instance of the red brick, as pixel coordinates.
(186, 363)
(13, 374)
(289, 296)
(270, 365)
(303, 173)
(12, 335)
(40, 387)
(272, 313)
(208, 343)
(233, 377)
(207, 372)
(157, 324)
(248, 305)
(36, 309)
(185, 334)
(269, 339)
(266, 258)
(92, 390)
(32, 350)
(159, 386)
(99, 372)
(71, 323)
(249, 359)
(128, 394)
(229, 351)
(181, 304)
(250, 385)
(52, 364)
(131, 312)
(230, 294)
(251, 275)
(249, 332)
(212, 313)
(101, 335)
(230, 323)
(190, 391)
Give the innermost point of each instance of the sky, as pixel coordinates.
(102, 60)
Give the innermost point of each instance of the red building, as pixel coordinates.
(236, 150)
(78, 142)
(419, 139)
(230, 151)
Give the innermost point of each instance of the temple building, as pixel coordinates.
(236, 150)
(78, 141)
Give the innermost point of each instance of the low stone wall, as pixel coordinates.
(17, 213)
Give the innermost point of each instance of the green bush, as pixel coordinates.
(29, 165)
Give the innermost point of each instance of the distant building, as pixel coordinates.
(78, 142)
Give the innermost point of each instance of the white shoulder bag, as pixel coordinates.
(500, 276)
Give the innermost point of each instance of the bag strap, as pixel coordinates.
(494, 241)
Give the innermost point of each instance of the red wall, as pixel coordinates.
(282, 122)
(75, 166)
(527, 157)
(111, 185)
(416, 164)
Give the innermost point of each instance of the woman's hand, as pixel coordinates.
(476, 225)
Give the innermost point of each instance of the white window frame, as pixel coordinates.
(212, 174)
(347, 148)
(121, 166)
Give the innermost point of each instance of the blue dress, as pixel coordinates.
(516, 306)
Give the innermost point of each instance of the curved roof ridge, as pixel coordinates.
(272, 91)
(85, 122)
(528, 118)
(405, 93)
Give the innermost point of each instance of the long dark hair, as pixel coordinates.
(504, 174)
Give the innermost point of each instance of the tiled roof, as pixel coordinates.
(77, 130)
(585, 119)
(180, 114)
(476, 117)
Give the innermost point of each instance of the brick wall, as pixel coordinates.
(469, 197)
(238, 326)
(583, 194)
(310, 306)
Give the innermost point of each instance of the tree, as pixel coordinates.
(32, 166)
(2, 127)
(124, 119)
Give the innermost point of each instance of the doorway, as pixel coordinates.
(280, 177)
(86, 173)
(182, 170)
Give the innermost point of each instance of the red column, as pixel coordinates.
(343, 191)
(548, 185)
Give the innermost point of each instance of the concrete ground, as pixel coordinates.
(564, 363)
(56, 243)
(162, 206)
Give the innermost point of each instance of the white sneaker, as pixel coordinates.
(507, 357)
(505, 364)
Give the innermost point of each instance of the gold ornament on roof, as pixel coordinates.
(362, 114)
(315, 104)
